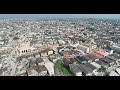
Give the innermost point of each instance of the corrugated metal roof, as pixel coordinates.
(96, 65)
(90, 66)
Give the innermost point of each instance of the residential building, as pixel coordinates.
(42, 70)
(113, 73)
(117, 70)
(74, 68)
(46, 52)
(23, 49)
(83, 48)
(85, 70)
(39, 61)
(96, 65)
(50, 68)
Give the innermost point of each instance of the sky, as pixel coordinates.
(60, 16)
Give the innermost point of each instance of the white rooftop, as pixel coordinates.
(96, 65)
(113, 73)
(49, 66)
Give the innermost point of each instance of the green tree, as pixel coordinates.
(102, 69)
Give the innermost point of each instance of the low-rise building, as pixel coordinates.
(96, 65)
(68, 53)
(81, 59)
(85, 70)
(42, 70)
(40, 61)
(23, 49)
(94, 69)
(112, 58)
(117, 70)
(102, 63)
(46, 52)
(97, 55)
(87, 58)
(92, 57)
(68, 61)
(32, 71)
(59, 49)
(74, 68)
(113, 73)
(53, 59)
(83, 48)
(22, 74)
(3, 71)
(50, 68)
(32, 63)
(108, 61)
(116, 56)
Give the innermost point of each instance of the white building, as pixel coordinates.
(1, 41)
(50, 68)
(83, 48)
(96, 65)
(118, 70)
(24, 48)
(0, 65)
(61, 41)
(113, 73)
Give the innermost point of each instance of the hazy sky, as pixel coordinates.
(32, 16)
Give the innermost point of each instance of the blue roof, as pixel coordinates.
(80, 59)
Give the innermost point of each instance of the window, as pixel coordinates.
(26, 50)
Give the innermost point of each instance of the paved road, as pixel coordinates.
(11, 62)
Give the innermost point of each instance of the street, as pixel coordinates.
(11, 62)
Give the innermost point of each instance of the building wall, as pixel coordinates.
(83, 48)
(51, 72)
(42, 63)
(43, 54)
(50, 52)
(24, 51)
(1, 42)
(78, 74)
(43, 73)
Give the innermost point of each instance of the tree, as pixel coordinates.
(102, 69)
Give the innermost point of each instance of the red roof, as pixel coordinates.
(45, 50)
(97, 55)
(101, 52)
(69, 52)
(69, 60)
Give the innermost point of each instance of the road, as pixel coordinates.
(11, 62)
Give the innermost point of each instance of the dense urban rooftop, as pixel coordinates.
(77, 47)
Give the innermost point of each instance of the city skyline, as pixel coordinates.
(58, 16)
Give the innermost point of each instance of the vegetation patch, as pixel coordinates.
(62, 68)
